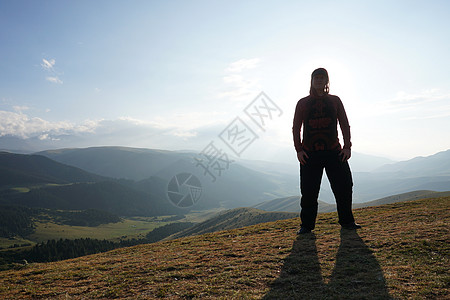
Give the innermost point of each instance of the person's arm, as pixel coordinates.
(296, 131)
(345, 128)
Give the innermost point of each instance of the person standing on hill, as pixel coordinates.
(319, 149)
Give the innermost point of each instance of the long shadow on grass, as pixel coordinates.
(356, 275)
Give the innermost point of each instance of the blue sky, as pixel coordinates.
(173, 74)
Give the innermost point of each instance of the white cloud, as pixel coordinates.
(404, 99)
(44, 137)
(240, 83)
(175, 132)
(49, 66)
(184, 134)
(191, 120)
(24, 126)
(425, 104)
(20, 108)
(47, 137)
(412, 123)
(54, 79)
(243, 64)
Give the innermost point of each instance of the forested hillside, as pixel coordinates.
(107, 195)
(20, 169)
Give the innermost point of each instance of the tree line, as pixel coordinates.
(20, 220)
(55, 250)
(16, 220)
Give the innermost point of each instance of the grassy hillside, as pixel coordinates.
(401, 252)
(108, 195)
(291, 204)
(234, 218)
(410, 196)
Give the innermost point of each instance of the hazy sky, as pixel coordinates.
(175, 74)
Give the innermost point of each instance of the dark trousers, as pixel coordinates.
(341, 182)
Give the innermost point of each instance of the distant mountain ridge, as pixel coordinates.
(241, 185)
(19, 169)
(233, 186)
(37, 181)
(117, 162)
(434, 165)
(247, 183)
(292, 204)
(285, 155)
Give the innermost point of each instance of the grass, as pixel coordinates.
(195, 216)
(126, 229)
(129, 228)
(26, 189)
(6, 243)
(21, 189)
(402, 252)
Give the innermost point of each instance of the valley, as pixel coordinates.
(120, 195)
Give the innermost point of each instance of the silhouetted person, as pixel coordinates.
(319, 149)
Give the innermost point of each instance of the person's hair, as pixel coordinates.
(326, 89)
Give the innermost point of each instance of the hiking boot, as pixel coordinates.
(303, 230)
(351, 226)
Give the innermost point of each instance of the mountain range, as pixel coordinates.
(285, 155)
(236, 186)
(135, 181)
(37, 181)
(131, 182)
(247, 183)
(434, 165)
(19, 169)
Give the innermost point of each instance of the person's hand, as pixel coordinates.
(302, 157)
(345, 154)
